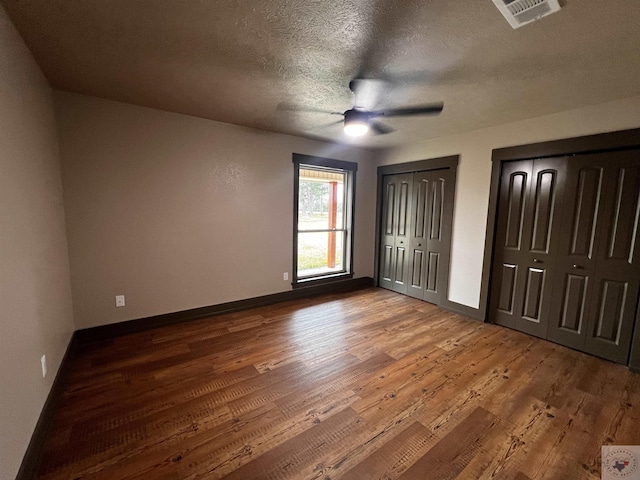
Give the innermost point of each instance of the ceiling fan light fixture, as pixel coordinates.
(356, 124)
(356, 129)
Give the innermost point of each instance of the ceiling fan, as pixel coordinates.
(359, 120)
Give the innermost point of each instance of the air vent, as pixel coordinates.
(521, 12)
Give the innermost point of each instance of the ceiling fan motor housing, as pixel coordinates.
(356, 116)
(356, 122)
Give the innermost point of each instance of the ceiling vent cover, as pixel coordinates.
(521, 12)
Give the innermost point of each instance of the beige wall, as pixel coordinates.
(177, 212)
(474, 171)
(35, 294)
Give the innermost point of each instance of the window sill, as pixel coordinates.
(312, 281)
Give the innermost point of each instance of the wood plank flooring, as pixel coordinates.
(362, 385)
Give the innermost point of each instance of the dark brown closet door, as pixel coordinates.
(578, 243)
(396, 216)
(616, 281)
(432, 215)
(526, 243)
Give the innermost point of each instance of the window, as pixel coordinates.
(323, 219)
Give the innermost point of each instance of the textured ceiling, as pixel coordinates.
(236, 60)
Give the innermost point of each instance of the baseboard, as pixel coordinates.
(463, 310)
(139, 325)
(33, 456)
(634, 369)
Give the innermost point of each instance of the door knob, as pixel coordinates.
(576, 266)
(535, 260)
(419, 244)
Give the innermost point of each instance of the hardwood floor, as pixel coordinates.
(363, 385)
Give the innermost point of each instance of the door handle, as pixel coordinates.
(419, 244)
(576, 266)
(535, 260)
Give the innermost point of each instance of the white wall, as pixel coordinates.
(35, 293)
(178, 212)
(474, 172)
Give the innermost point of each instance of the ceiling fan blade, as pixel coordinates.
(325, 125)
(293, 107)
(431, 109)
(380, 128)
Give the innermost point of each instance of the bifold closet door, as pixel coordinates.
(529, 208)
(431, 218)
(566, 264)
(597, 274)
(617, 279)
(580, 238)
(394, 244)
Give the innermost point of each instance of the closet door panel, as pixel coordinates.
(545, 194)
(513, 202)
(573, 298)
(526, 235)
(507, 288)
(396, 230)
(402, 232)
(575, 264)
(534, 292)
(508, 281)
(438, 222)
(417, 273)
(611, 319)
(418, 243)
(400, 270)
(387, 265)
(432, 273)
(387, 240)
(432, 209)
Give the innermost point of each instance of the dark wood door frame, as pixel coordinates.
(450, 162)
(603, 142)
(634, 360)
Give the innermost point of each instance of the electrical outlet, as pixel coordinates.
(285, 276)
(119, 300)
(43, 362)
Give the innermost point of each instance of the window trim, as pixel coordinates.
(350, 168)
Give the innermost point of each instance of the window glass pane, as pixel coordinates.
(324, 192)
(320, 252)
(320, 199)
